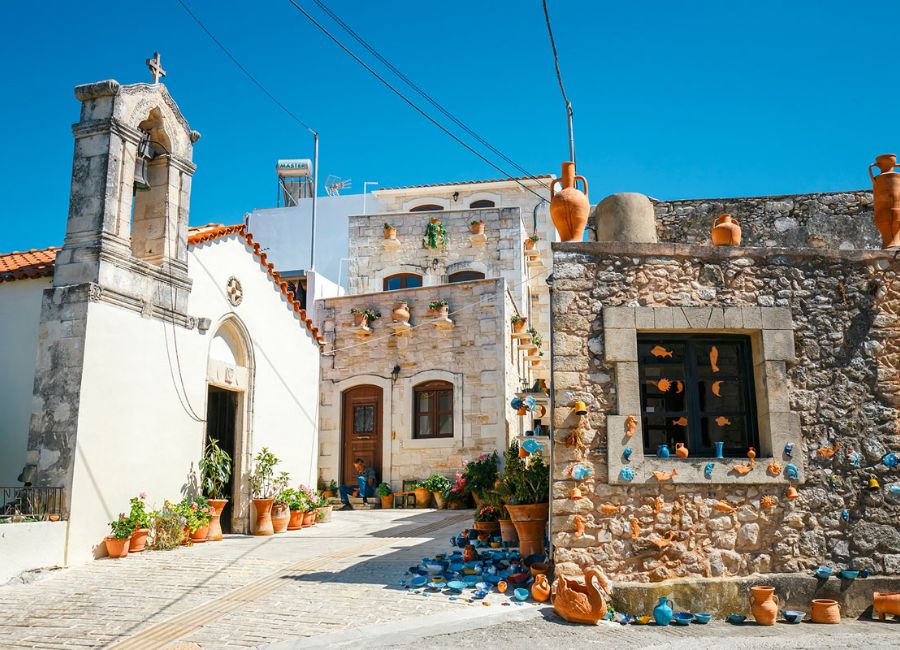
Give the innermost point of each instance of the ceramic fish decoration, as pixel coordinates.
(664, 385)
(722, 421)
(742, 469)
(635, 530)
(891, 460)
(580, 472)
(609, 508)
(713, 358)
(724, 506)
(662, 542)
(828, 452)
(630, 425)
(681, 422)
(664, 476)
(853, 457)
(660, 351)
(717, 388)
(531, 445)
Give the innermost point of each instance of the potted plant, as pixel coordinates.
(435, 234)
(439, 308)
(507, 528)
(291, 498)
(390, 232)
(323, 510)
(528, 486)
(167, 527)
(332, 489)
(531, 241)
(281, 513)
(364, 317)
(518, 323)
(536, 339)
(423, 495)
(487, 519)
(262, 487)
(139, 519)
(386, 494)
(481, 475)
(456, 494)
(215, 472)
(198, 514)
(310, 502)
(119, 538)
(477, 226)
(436, 484)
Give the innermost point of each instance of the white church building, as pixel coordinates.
(124, 350)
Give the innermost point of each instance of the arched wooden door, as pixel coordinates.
(361, 431)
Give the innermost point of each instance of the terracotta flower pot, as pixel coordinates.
(390, 233)
(456, 504)
(764, 605)
(439, 500)
(519, 325)
(423, 498)
(826, 611)
(440, 312)
(281, 517)
(138, 540)
(569, 207)
(263, 516)
(117, 547)
(886, 192)
(215, 526)
(359, 320)
(296, 520)
(491, 527)
(309, 518)
(530, 244)
(726, 231)
(199, 536)
(387, 502)
(434, 220)
(508, 532)
(400, 313)
(885, 603)
(328, 494)
(477, 228)
(530, 522)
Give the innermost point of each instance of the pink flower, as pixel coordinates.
(194, 507)
(143, 495)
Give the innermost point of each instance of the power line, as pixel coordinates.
(420, 91)
(245, 71)
(569, 113)
(405, 98)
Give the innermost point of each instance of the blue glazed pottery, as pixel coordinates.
(471, 580)
(895, 489)
(457, 566)
(849, 574)
(626, 453)
(789, 450)
(708, 470)
(719, 447)
(662, 613)
(662, 451)
(437, 586)
(824, 572)
(736, 619)
(418, 581)
(532, 446)
(702, 619)
(580, 472)
(845, 515)
(481, 593)
(520, 594)
(459, 585)
(483, 586)
(529, 433)
(854, 458)
(791, 472)
(626, 474)
(793, 616)
(682, 618)
(891, 460)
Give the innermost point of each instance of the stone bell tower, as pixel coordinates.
(124, 259)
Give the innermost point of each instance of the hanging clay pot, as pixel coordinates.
(826, 611)
(400, 313)
(886, 189)
(726, 231)
(540, 590)
(680, 450)
(764, 604)
(569, 207)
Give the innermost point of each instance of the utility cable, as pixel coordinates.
(569, 113)
(406, 99)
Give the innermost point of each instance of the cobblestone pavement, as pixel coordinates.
(242, 592)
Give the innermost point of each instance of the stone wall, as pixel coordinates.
(836, 220)
(843, 385)
(476, 356)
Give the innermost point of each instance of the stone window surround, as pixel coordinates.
(407, 386)
(772, 343)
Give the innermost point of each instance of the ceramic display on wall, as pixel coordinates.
(891, 460)
(626, 474)
(791, 472)
(789, 450)
(708, 470)
(626, 453)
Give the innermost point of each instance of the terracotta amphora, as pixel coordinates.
(263, 516)
(215, 525)
(569, 207)
(824, 610)
(680, 450)
(886, 603)
(540, 590)
(764, 605)
(726, 231)
(400, 314)
(886, 190)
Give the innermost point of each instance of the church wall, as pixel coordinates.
(20, 312)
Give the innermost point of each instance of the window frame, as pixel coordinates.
(404, 277)
(427, 207)
(434, 412)
(450, 277)
(486, 203)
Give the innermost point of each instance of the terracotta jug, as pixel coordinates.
(540, 590)
(569, 207)
(726, 231)
(886, 190)
(827, 611)
(885, 603)
(764, 604)
(680, 450)
(400, 314)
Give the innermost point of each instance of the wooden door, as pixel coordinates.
(361, 426)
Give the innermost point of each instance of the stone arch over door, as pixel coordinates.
(229, 378)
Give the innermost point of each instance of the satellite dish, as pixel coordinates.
(334, 185)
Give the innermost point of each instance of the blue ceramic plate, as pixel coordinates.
(471, 580)
(520, 594)
(418, 581)
(457, 566)
(481, 593)
(459, 585)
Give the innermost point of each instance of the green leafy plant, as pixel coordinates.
(292, 499)
(370, 314)
(332, 486)
(262, 480)
(536, 337)
(481, 474)
(309, 500)
(526, 480)
(488, 513)
(384, 490)
(435, 235)
(139, 517)
(476, 222)
(167, 527)
(215, 470)
(388, 226)
(435, 483)
(197, 512)
(535, 238)
(517, 319)
(121, 528)
(437, 304)
(321, 485)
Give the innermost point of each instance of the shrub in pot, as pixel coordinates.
(198, 514)
(423, 495)
(281, 513)
(215, 471)
(323, 510)
(139, 519)
(291, 498)
(518, 323)
(527, 484)
(436, 484)
(477, 226)
(263, 487)
(119, 538)
(310, 502)
(167, 527)
(387, 495)
(481, 476)
(456, 494)
(487, 519)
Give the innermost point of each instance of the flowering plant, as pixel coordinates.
(167, 525)
(481, 473)
(139, 517)
(121, 528)
(309, 500)
(197, 512)
(388, 226)
(437, 304)
(458, 490)
(370, 314)
(535, 237)
(488, 513)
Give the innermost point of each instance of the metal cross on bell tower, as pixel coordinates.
(156, 68)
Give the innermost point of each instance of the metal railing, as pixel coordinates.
(29, 504)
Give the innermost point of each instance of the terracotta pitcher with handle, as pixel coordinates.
(569, 207)
(764, 604)
(886, 191)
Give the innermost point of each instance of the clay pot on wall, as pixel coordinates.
(390, 233)
(826, 611)
(423, 498)
(359, 320)
(519, 325)
(440, 312)
(569, 207)
(215, 525)
(477, 228)
(530, 522)
(138, 540)
(400, 313)
(117, 547)
(764, 605)
(680, 450)
(263, 509)
(296, 520)
(885, 603)
(281, 517)
(886, 190)
(726, 231)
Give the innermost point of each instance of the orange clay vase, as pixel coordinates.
(215, 525)
(825, 611)
(886, 189)
(680, 450)
(886, 603)
(296, 520)
(400, 313)
(281, 518)
(530, 522)
(569, 207)
(263, 509)
(764, 604)
(540, 590)
(726, 231)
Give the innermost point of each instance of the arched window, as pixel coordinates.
(402, 281)
(482, 203)
(465, 276)
(427, 207)
(433, 410)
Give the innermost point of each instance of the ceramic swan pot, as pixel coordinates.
(581, 603)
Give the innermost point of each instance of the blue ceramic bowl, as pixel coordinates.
(736, 619)
(702, 619)
(793, 616)
(483, 586)
(824, 572)
(682, 618)
(419, 581)
(849, 574)
(520, 594)
(491, 579)
(471, 580)
(457, 585)
(457, 566)
(481, 593)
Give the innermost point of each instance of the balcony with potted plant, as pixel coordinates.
(439, 312)
(477, 238)
(363, 319)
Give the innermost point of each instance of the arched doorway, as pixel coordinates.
(229, 381)
(361, 431)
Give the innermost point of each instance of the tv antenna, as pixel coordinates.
(334, 185)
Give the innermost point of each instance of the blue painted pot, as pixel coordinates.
(663, 451)
(662, 613)
(720, 445)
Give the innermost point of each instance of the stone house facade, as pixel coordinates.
(805, 337)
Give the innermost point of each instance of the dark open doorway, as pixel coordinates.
(221, 419)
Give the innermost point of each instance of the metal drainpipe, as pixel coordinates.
(550, 281)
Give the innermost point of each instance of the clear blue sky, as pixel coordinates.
(673, 99)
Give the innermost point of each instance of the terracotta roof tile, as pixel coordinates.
(23, 265)
(493, 180)
(200, 234)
